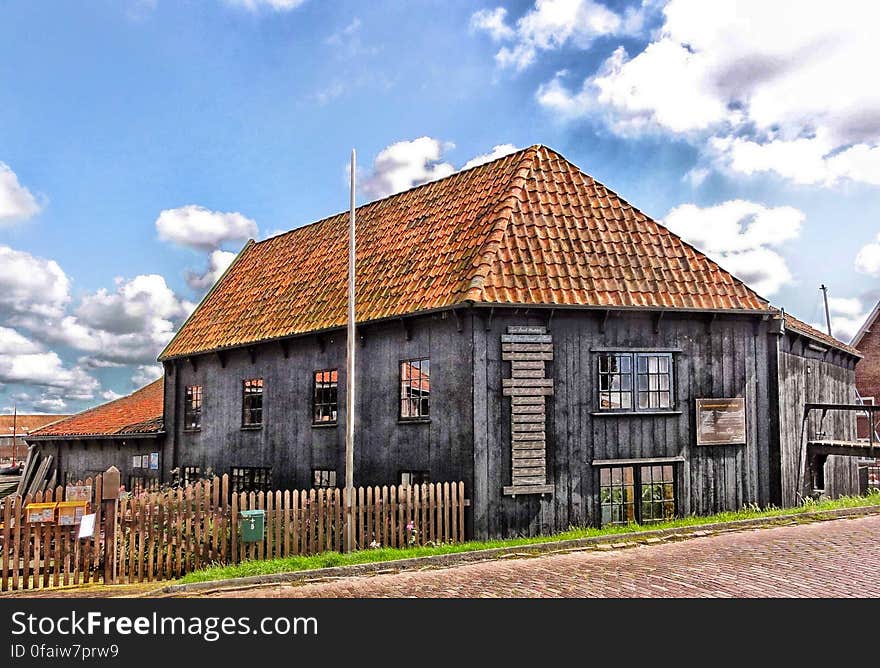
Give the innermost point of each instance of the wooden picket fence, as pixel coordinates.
(165, 534)
(37, 556)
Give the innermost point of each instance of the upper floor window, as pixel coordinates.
(325, 397)
(252, 403)
(635, 381)
(192, 409)
(415, 389)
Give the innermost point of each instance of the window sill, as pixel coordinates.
(192, 431)
(413, 420)
(252, 427)
(324, 425)
(632, 413)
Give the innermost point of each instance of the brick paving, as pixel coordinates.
(839, 558)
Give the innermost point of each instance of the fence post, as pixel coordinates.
(109, 495)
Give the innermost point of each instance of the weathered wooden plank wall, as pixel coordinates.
(726, 357)
(811, 376)
(290, 444)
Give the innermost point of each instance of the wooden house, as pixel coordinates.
(521, 328)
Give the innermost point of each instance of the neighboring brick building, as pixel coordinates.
(867, 341)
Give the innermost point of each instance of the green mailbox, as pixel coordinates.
(252, 523)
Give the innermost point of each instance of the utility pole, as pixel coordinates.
(349, 374)
(824, 290)
(14, 428)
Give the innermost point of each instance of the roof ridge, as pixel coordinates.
(371, 203)
(502, 211)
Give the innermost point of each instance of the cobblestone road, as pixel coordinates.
(839, 558)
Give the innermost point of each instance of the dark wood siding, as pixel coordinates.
(807, 375)
(726, 357)
(293, 447)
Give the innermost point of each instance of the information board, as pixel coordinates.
(721, 421)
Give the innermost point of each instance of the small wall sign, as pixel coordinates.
(721, 421)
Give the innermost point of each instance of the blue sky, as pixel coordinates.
(236, 117)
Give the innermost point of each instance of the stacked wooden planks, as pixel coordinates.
(527, 349)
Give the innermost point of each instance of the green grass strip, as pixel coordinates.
(330, 559)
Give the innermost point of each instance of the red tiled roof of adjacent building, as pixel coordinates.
(526, 229)
(26, 423)
(808, 330)
(137, 413)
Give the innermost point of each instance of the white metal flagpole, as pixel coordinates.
(349, 375)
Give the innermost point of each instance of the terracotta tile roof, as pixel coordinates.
(528, 228)
(26, 423)
(800, 326)
(137, 413)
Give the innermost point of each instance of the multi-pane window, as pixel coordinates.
(192, 408)
(415, 389)
(615, 381)
(635, 381)
(325, 397)
(653, 376)
(658, 493)
(189, 475)
(637, 494)
(252, 402)
(324, 478)
(250, 479)
(617, 495)
(409, 478)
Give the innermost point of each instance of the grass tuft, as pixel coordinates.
(330, 559)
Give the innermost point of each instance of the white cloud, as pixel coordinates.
(46, 369)
(551, 25)
(848, 314)
(50, 404)
(202, 229)
(493, 22)
(110, 395)
(739, 234)
(130, 325)
(775, 87)
(218, 262)
(14, 343)
(16, 202)
(345, 34)
(498, 151)
(406, 164)
(868, 258)
(275, 5)
(31, 286)
(146, 374)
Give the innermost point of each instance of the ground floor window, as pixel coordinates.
(409, 478)
(189, 475)
(250, 479)
(139, 484)
(324, 478)
(642, 494)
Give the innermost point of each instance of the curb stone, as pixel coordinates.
(601, 543)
